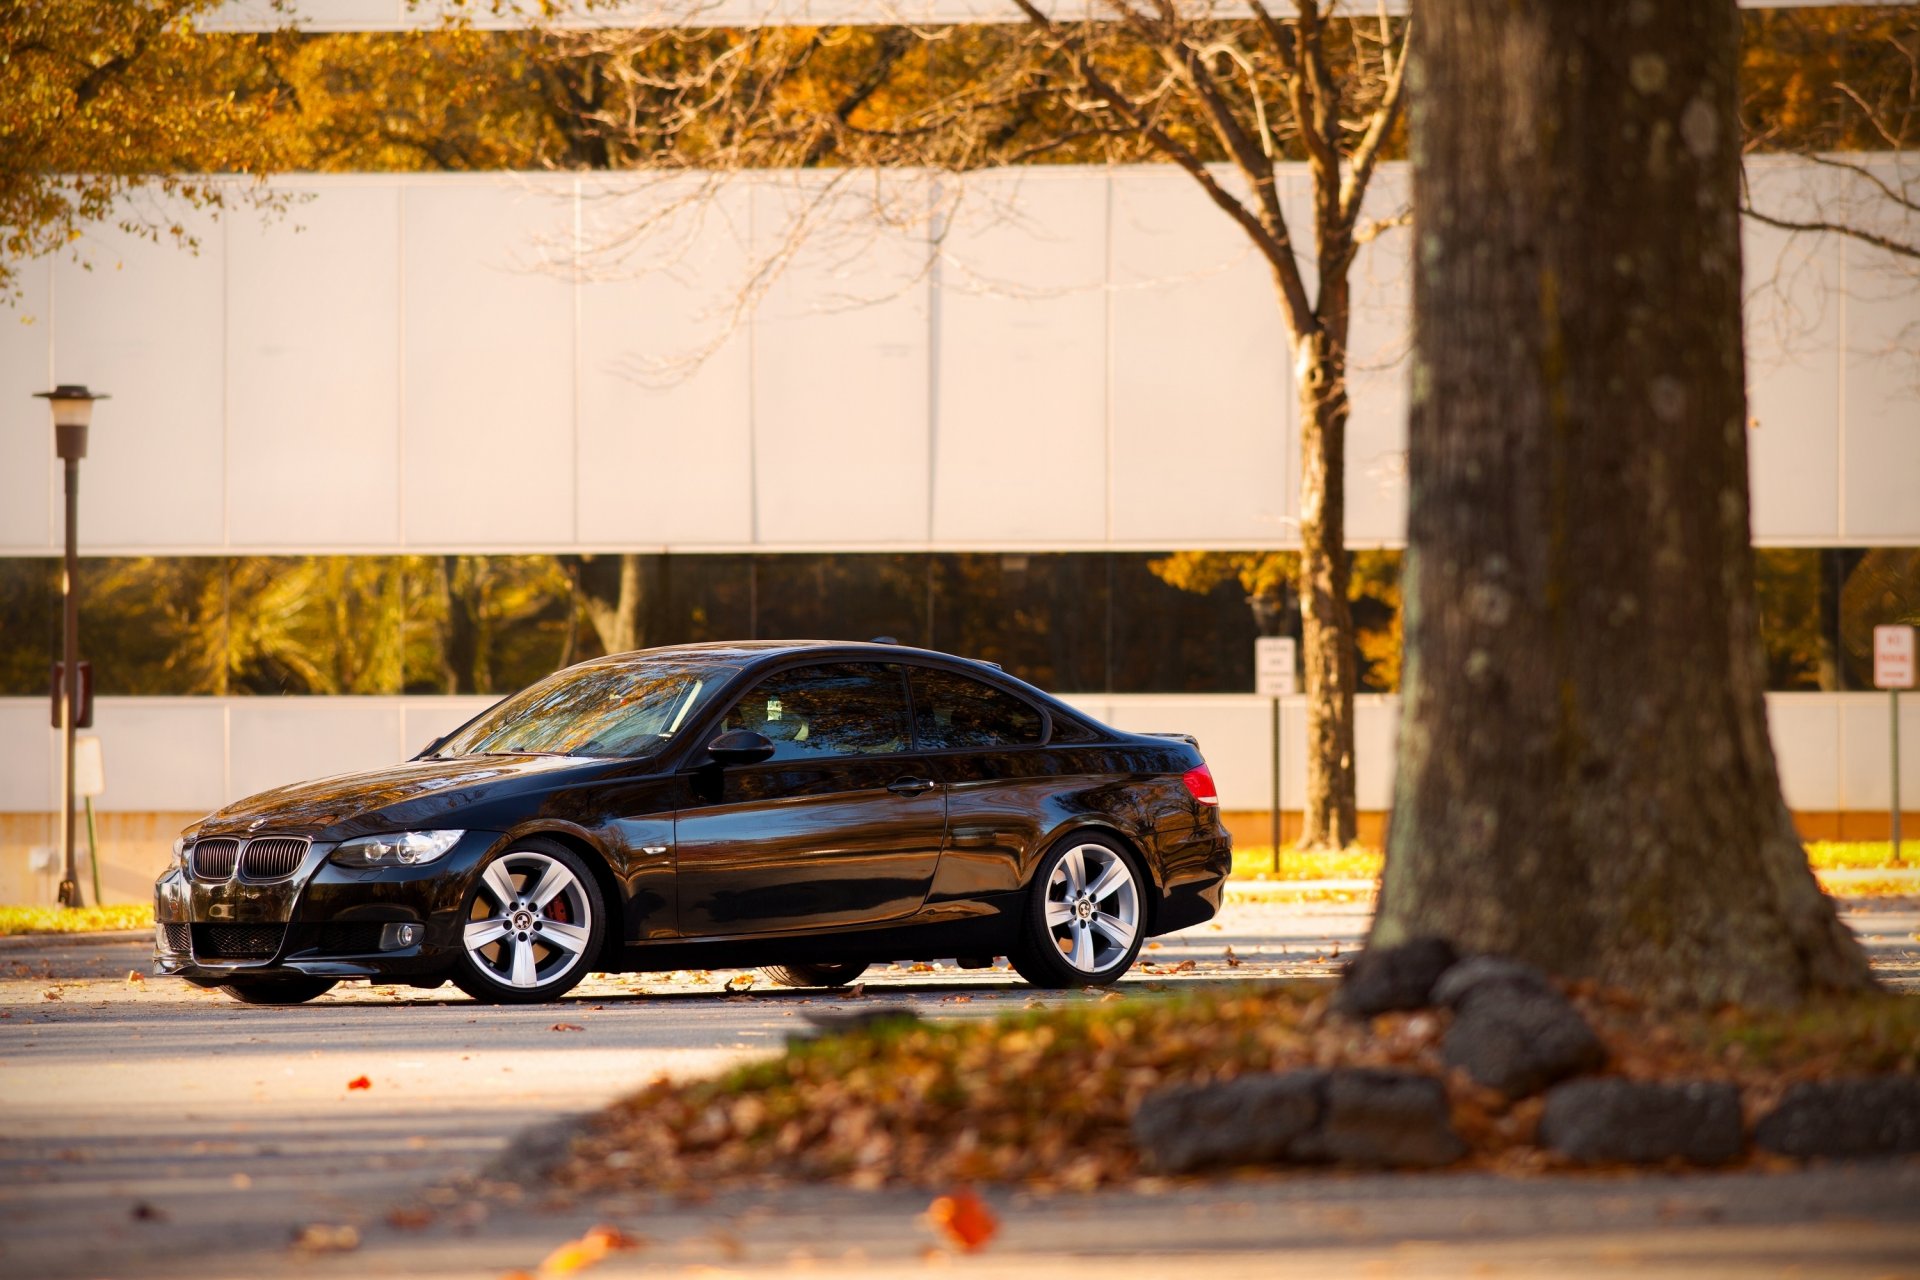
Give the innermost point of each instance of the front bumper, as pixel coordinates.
(322, 921)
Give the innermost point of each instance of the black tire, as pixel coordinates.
(493, 972)
(1044, 956)
(278, 990)
(814, 975)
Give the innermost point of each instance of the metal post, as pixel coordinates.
(1894, 694)
(70, 701)
(1276, 784)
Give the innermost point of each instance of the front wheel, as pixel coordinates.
(1085, 916)
(814, 975)
(278, 990)
(533, 925)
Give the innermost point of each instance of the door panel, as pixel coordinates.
(819, 836)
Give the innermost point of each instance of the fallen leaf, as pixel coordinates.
(1233, 961)
(410, 1219)
(359, 1082)
(324, 1237)
(566, 1026)
(964, 1219)
(135, 977)
(854, 992)
(1183, 967)
(589, 1249)
(144, 1212)
(53, 993)
(740, 982)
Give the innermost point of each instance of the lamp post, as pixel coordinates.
(72, 410)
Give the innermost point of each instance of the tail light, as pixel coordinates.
(1200, 782)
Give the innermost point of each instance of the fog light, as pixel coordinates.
(395, 936)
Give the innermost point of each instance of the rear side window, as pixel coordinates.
(843, 709)
(952, 711)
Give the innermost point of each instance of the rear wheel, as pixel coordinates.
(278, 990)
(534, 922)
(814, 975)
(1085, 917)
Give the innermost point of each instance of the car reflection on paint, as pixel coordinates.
(807, 807)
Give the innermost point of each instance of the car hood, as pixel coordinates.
(413, 794)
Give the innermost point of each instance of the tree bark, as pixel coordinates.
(613, 593)
(1585, 778)
(1329, 820)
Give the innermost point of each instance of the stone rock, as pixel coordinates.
(1386, 1119)
(1254, 1119)
(1865, 1116)
(1371, 1119)
(1519, 1038)
(1476, 972)
(1386, 979)
(1634, 1122)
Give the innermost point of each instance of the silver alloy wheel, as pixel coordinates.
(531, 920)
(1093, 907)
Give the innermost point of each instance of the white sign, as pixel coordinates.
(89, 767)
(1273, 661)
(1893, 657)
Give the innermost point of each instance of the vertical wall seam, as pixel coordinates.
(753, 381)
(935, 237)
(1107, 406)
(400, 366)
(226, 385)
(1845, 355)
(576, 281)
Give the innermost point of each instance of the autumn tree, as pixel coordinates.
(1585, 777)
(1141, 79)
(99, 98)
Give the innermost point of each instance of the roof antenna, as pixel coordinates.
(884, 640)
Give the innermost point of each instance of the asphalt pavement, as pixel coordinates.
(153, 1129)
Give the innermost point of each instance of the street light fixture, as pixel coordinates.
(72, 412)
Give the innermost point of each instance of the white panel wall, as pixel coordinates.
(489, 340)
(840, 374)
(666, 441)
(1096, 359)
(1202, 394)
(26, 438)
(1794, 317)
(313, 372)
(179, 754)
(1022, 341)
(147, 325)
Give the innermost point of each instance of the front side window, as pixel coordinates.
(951, 711)
(839, 709)
(599, 709)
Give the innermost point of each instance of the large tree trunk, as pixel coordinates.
(1326, 620)
(613, 594)
(1585, 778)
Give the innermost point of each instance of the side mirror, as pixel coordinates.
(740, 746)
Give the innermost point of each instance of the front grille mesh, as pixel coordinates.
(179, 938)
(237, 941)
(214, 859)
(274, 858)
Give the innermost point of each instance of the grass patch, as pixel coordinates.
(1860, 855)
(1358, 862)
(19, 920)
(1355, 862)
(1044, 1098)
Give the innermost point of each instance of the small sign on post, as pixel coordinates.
(1273, 663)
(1893, 671)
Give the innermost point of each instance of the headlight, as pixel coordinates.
(396, 849)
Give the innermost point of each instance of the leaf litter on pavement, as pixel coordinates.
(1044, 1098)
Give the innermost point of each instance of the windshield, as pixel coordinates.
(624, 709)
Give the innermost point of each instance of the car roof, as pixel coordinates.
(755, 651)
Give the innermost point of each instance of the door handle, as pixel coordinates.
(911, 786)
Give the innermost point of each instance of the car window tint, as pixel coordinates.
(953, 711)
(842, 709)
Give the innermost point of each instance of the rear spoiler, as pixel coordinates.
(1187, 738)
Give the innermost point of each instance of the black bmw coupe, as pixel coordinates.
(807, 807)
